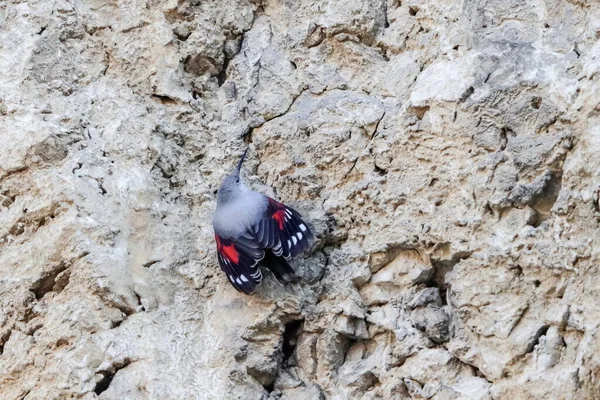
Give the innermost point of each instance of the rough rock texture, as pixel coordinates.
(445, 152)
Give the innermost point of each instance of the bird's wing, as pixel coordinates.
(239, 259)
(282, 230)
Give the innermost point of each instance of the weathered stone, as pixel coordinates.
(445, 154)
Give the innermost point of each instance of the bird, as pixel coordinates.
(251, 230)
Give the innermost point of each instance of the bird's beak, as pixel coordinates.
(239, 167)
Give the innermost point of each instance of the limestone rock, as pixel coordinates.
(445, 154)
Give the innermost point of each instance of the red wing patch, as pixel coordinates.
(279, 213)
(228, 251)
(238, 258)
(282, 230)
(279, 216)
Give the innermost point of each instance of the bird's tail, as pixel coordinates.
(279, 267)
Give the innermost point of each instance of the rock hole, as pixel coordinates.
(419, 112)
(413, 10)
(380, 171)
(455, 47)
(42, 29)
(536, 102)
(505, 133)
(537, 283)
(547, 199)
(467, 94)
(47, 281)
(536, 338)
(294, 66)
(438, 278)
(290, 340)
(3, 339)
(182, 37)
(518, 270)
(108, 375)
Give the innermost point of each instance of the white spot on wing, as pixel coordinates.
(294, 240)
(299, 234)
(238, 281)
(244, 278)
(302, 227)
(289, 243)
(231, 278)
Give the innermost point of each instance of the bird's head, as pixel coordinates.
(232, 186)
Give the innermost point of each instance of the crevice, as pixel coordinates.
(47, 281)
(269, 387)
(108, 375)
(465, 96)
(182, 37)
(139, 301)
(514, 325)
(247, 134)
(351, 169)
(150, 263)
(441, 269)
(536, 338)
(222, 75)
(166, 100)
(136, 26)
(380, 171)
(292, 331)
(377, 126)
(24, 396)
(107, 63)
(386, 22)
(13, 171)
(476, 371)
(505, 133)
(78, 167)
(547, 199)
(3, 339)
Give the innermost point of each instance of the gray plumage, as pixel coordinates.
(249, 228)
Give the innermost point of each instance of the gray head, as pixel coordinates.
(232, 186)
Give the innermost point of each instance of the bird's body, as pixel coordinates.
(240, 213)
(251, 228)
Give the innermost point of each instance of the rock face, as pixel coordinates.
(445, 152)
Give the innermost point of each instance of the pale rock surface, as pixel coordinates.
(444, 152)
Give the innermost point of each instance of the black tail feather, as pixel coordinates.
(279, 267)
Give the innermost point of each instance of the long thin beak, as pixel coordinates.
(242, 159)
